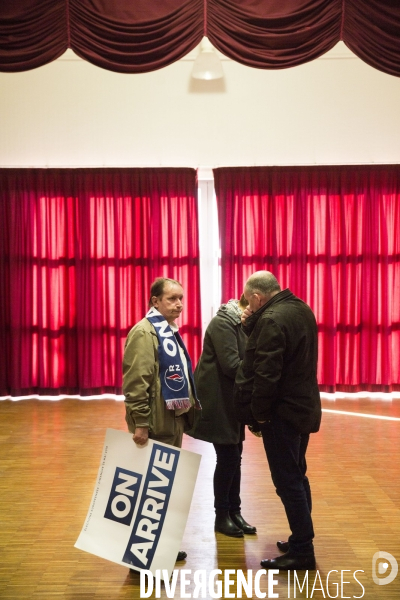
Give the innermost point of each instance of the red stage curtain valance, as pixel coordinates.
(145, 35)
(332, 235)
(79, 249)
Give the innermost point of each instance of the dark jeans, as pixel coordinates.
(227, 477)
(286, 454)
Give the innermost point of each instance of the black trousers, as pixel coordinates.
(227, 477)
(286, 454)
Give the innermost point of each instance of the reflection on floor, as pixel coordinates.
(50, 454)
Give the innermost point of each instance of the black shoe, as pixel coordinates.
(290, 562)
(283, 546)
(225, 525)
(241, 523)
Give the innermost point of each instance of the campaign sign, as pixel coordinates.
(140, 503)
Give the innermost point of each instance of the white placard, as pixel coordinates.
(140, 503)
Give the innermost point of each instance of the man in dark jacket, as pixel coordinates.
(276, 387)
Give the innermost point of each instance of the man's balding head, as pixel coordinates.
(260, 287)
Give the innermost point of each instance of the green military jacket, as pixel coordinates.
(145, 406)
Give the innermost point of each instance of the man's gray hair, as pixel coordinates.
(262, 282)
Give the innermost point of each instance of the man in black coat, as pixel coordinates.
(276, 389)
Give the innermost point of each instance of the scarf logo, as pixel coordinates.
(174, 378)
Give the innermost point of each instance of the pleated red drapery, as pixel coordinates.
(79, 249)
(145, 35)
(331, 234)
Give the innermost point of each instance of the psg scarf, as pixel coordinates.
(174, 383)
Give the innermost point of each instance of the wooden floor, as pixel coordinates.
(50, 454)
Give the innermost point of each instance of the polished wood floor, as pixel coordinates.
(50, 454)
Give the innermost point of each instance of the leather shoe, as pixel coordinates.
(290, 562)
(241, 523)
(283, 546)
(225, 525)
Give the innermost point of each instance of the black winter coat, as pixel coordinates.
(223, 350)
(278, 374)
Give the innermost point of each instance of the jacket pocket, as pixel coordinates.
(162, 420)
(242, 405)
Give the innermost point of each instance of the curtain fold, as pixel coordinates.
(145, 35)
(32, 34)
(371, 29)
(123, 36)
(135, 37)
(331, 234)
(79, 250)
(274, 35)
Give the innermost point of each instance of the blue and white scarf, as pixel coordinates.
(174, 383)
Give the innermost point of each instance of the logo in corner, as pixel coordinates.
(383, 567)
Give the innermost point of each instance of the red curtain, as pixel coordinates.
(79, 249)
(331, 234)
(145, 35)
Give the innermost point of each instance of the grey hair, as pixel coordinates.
(262, 282)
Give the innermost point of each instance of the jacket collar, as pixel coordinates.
(252, 320)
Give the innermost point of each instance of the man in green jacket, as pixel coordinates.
(148, 414)
(157, 374)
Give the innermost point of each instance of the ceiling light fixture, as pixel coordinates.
(207, 65)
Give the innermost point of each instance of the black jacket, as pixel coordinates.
(223, 350)
(278, 374)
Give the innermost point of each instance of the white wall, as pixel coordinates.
(333, 110)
